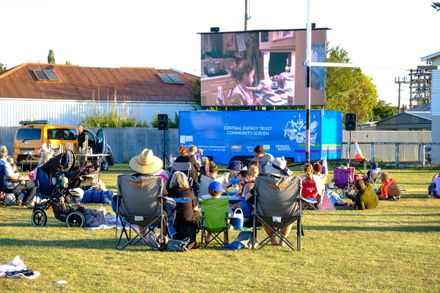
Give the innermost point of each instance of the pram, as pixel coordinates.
(54, 181)
(344, 180)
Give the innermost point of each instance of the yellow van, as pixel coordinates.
(31, 135)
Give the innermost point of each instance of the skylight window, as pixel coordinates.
(47, 74)
(170, 78)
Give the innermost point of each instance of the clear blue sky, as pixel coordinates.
(387, 35)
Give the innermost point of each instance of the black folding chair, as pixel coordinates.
(185, 168)
(139, 202)
(277, 205)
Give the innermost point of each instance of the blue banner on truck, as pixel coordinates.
(227, 134)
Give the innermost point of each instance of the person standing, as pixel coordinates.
(81, 138)
(262, 158)
(195, 168)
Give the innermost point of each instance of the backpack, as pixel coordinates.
(93, 218)
(186, 230)
(309, 189)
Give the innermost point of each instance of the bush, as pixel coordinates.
(112, 119)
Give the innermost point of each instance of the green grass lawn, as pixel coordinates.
(392, 248)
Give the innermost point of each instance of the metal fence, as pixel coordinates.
(386, 146)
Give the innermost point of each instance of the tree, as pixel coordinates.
(436, 5)
(348, 89)
(382, 110)
(2, 68)
(51, 57)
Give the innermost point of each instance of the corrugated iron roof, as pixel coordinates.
(420, 114)
(430, 56)
(99, 83)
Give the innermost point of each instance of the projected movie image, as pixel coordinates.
(260, 68)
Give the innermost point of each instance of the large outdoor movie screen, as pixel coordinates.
(260, 68)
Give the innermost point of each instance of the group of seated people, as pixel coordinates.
(238, 181)
(23, 187)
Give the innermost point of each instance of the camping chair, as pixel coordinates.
(214, 219)
(344, 179)
(139, 202)
(185, 168)
(277, 205)
(7, 197)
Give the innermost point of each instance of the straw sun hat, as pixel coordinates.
(146, 162)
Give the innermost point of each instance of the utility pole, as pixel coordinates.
(246, 13)
(399, 81)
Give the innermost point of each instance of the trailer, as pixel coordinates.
(232, 135)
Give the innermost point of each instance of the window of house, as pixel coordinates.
(47, 74)
(170, 78)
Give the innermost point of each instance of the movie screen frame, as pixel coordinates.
(260, 68)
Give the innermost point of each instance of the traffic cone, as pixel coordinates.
(358, 156)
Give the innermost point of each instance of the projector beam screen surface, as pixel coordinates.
(260, 68)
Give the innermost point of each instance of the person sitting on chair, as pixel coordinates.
(185, 211)
(230, 179)
(205, 180)
(278, 169)
(215, 191)
(310, 186)
(388, 189)
(373, 173)
(183, 155)
(365, 197)
(13, 182)
(147, 164)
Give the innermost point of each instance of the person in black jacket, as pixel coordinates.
(81, 137)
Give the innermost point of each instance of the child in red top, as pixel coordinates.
(389, 189)
(309, 189)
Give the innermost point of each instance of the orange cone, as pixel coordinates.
(358, 156)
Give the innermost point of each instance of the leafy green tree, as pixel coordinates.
(382, 110)
(436, 5)
(348, 89)
(51, 57)
(196, 91)
(2, 68)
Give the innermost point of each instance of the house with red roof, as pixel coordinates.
(66, 94)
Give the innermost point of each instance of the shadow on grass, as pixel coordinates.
(417, 229)
(108, 243)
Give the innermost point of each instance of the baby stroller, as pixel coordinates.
(55, 181)
(344, 180)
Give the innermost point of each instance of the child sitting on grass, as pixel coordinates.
(389, 189)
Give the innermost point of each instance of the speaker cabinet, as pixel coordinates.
(162, 120)
(350, 121)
